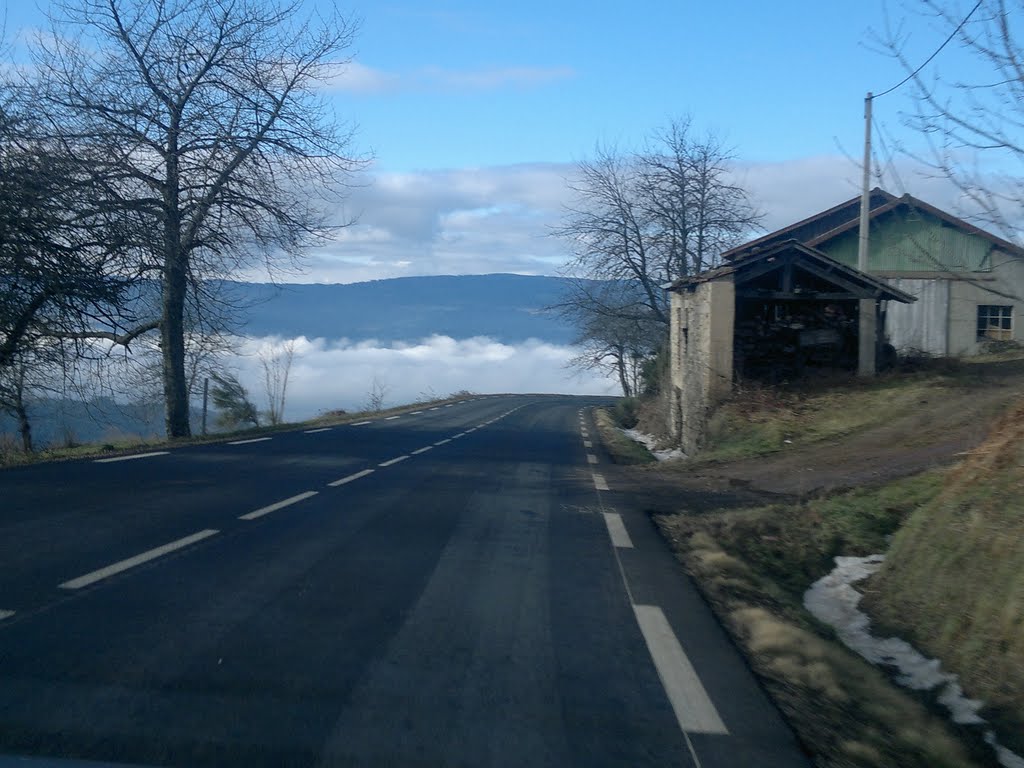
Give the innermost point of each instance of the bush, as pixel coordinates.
(625, 413)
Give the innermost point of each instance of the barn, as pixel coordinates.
(794, 300)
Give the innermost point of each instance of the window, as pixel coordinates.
(995, 322)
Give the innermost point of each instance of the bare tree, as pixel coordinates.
(377, 394)
(60, 270)
(641, 220)
(203, 122)
(973, 129)
(276, 362)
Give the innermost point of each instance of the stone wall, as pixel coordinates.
(703, 317)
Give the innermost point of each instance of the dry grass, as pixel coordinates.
(758, 420)
(846, 712)
(954, 579)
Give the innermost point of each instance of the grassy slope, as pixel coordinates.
(954, 578)
(753, 565)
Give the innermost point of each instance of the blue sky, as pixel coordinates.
(476, 112)
(780, 80)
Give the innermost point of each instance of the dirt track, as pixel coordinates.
(929, 435)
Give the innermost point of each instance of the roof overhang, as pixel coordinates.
(844, 282)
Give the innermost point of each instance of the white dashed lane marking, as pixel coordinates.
(350, 478)
(251, 440)
(6, 615)
(362, 423)
(600, 483)
(279, 505)
(433, 409)
(317, 431)
(442, 442)
(131, 562)
(456, 437)
(391, 418)
(393, 461)
(418, 451)
(617, 530)
(689, 699)
(587, 444)
(591, 458)
(112, 459)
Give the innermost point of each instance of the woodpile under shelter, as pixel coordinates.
(769, 314)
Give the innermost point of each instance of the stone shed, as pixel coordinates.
(769, 315)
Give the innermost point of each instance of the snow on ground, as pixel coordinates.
(833, 600)
(649, 442)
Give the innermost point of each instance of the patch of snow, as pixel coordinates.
(650, 442)
(833, 600)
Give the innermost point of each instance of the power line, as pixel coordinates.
(937, 50)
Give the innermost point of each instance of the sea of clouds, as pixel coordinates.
(340, 374)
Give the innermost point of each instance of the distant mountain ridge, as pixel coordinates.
(507, 308)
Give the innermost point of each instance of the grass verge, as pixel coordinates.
(13, 457)
(753, 566)
(954, 580)
(620, 448)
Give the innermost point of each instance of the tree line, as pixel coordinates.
(148, 150)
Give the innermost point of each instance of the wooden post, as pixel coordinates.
(206, 399)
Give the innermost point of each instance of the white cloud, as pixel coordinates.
(354, 77)
(330, 374)
(499, 218)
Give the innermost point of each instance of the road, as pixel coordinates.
(457, 586)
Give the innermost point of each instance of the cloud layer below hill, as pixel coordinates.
(331, 374)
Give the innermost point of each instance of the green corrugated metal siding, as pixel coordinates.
(916, 244)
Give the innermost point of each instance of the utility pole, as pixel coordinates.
(867, 308)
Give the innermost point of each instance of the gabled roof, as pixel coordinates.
(807, 257)
(823, 227)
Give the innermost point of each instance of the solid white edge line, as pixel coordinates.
(617, 530)
(316, 431)
(390, 462)
(6, 615)
(442, 442)
(252, 440)
(361, 423)
(693, 707)
(112, 459)
(418, 451)
(350, 478)
(599, 482)
(131, 562)
(279, 505)
(591, 458)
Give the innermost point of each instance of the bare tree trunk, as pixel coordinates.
(620, 364)
(172, 346)
(24, 425)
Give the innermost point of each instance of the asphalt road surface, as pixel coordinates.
(458, 586)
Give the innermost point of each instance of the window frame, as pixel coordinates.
(994, 322)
